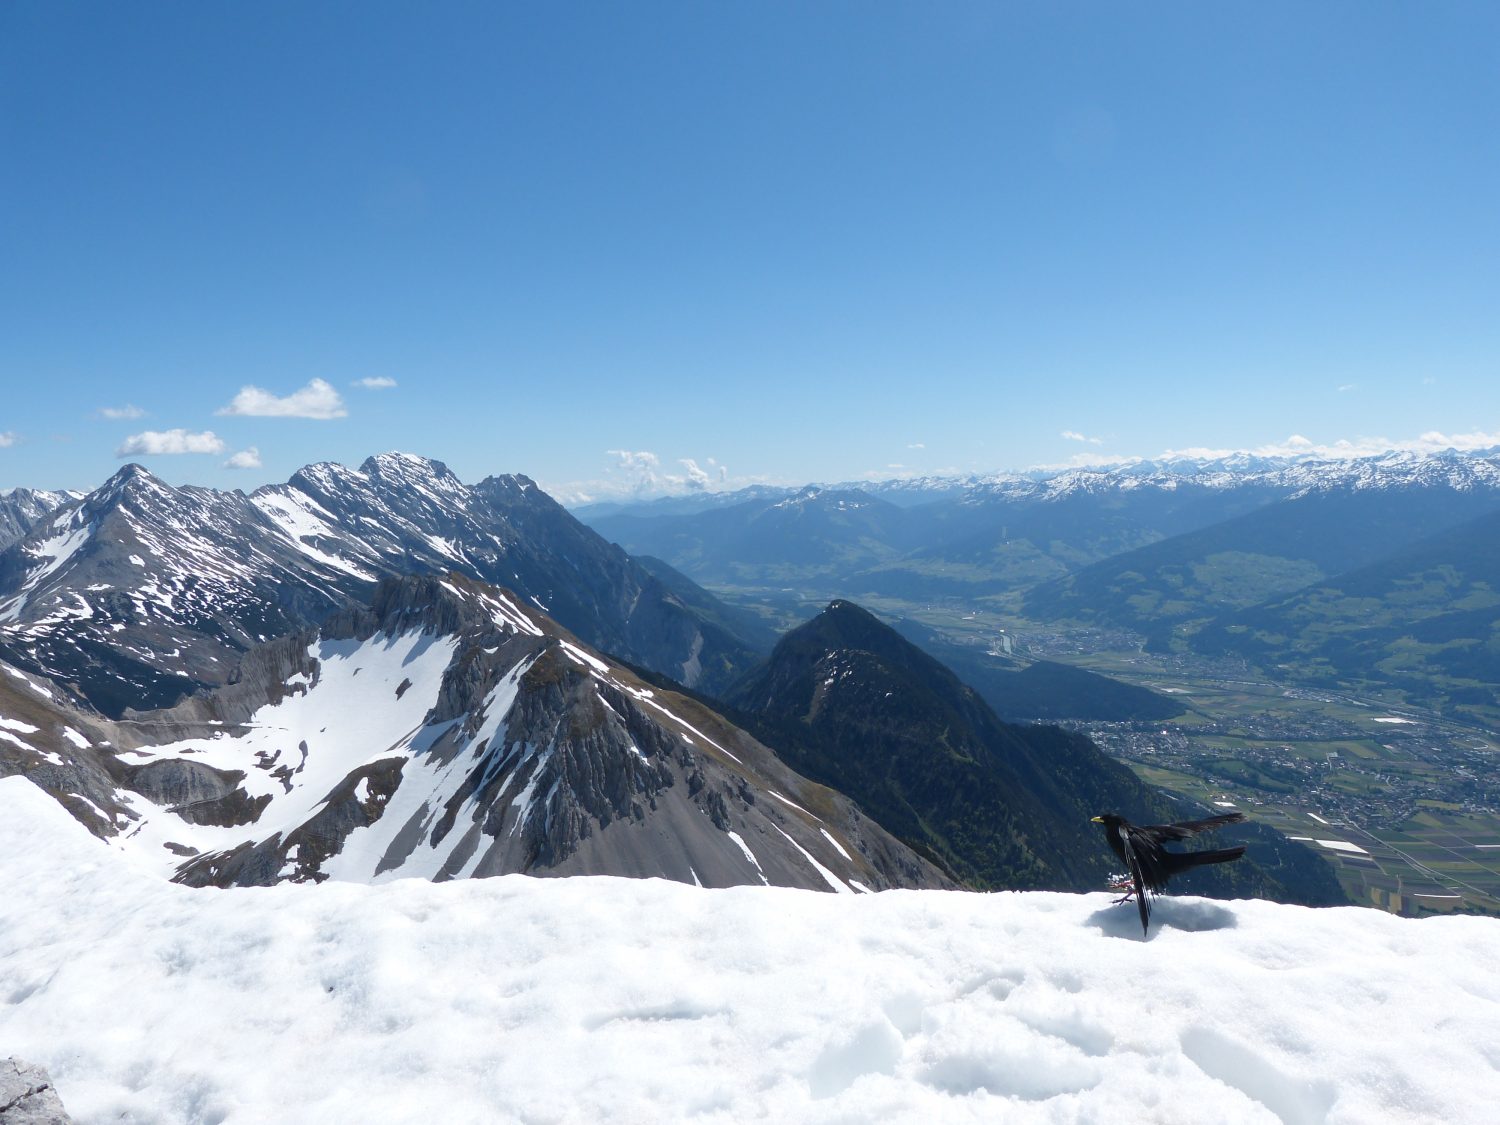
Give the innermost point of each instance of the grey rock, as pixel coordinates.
(27, 1096)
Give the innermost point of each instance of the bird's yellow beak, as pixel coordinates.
(1096, 820)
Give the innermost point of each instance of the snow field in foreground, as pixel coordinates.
(593, 999)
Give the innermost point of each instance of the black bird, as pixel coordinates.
(1149, 864)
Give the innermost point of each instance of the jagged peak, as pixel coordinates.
(406, 466)
(324, 474)
(132, 480)
(517, 483)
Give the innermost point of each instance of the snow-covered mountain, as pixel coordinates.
(443, 732)
(21, 509)
(591, 999)
(142, 592)
(1285, 477)
(979, 536)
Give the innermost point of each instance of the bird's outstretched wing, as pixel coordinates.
(1184, 829)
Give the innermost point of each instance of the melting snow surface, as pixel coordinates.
(594, 999)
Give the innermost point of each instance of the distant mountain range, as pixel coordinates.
(981, 536)
(1244, 556)
(1280, 475)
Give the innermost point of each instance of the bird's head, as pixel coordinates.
(1109, 820)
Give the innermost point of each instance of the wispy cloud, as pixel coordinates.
(1344, 388)
(1074, 435)
(318, 400)
(638, 474)
(154, 442)
(8, 439)
(636, 461)
(244, 459)
(374, 383)
(917, 445)
(121, 413)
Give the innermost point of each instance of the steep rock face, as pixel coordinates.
(599, 592)
(849, 702)
(27, 1096)
(141, 593)
(70, 754)
(443, 731)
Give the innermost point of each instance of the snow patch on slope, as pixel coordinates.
(345, 720)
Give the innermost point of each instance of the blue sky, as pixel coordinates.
(603, 244)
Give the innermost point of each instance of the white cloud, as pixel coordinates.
(1344, 387)
(154, 442)
(374, 383)
(8, 439)
(317, 400)
(1074, 435)
(917, 445)
(642, 461)
(638, 467)
(697, 479)
(244, 459)
(121, 413)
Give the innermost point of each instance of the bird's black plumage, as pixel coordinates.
(1149, 864)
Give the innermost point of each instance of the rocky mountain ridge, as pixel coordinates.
(140, 593)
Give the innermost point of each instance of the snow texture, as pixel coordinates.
(594, 999)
